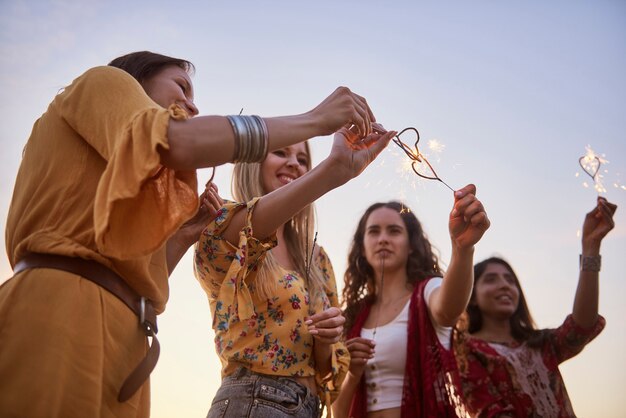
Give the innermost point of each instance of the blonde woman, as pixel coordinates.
(272, 292)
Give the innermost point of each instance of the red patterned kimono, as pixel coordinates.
(519, 380)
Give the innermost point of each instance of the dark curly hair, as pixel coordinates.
(144, 64)
(359, 280)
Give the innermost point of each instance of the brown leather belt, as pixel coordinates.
(111, 281)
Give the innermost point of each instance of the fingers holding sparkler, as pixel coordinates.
(210, 200)
(468, 219)
(355, 155)
(598, 223)
(343, 108)
(326, 326)
(361, 350)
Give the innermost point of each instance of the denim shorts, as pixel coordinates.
(249, 394)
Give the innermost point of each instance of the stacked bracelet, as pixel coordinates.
(251, 138)
(590, 262)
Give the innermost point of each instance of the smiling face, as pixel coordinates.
(386, 237)
(171, 85)
(496, 292)
(283, 166)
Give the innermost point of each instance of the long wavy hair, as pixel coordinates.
(359, 279)
(523, 327)
(298, 233)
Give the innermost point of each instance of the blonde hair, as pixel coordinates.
(298, 234)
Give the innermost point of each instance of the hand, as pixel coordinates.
(353, 154)
(361, 350)
(344, 108)
(597, 225)
(210, 204)
(326, 326)
(468, 219)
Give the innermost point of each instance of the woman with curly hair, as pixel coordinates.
(399, 311)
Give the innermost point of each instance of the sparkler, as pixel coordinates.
(591, 163)
(417, 157)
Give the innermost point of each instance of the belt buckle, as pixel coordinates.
(146, 325)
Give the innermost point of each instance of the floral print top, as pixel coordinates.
(517, 380)
(265, 335)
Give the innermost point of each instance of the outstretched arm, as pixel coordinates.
(207, 141)
(346, 161)
(596, 226)
(468, 222)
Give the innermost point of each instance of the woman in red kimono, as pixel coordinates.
(509, 368)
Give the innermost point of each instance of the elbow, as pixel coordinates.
(446, 318)
(179, 155)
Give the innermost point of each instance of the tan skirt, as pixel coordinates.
(66, 347)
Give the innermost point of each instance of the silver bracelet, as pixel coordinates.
(251, 138)
(590, 262)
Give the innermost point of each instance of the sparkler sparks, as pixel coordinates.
(435, 146)
(415, 156)
(590, 163)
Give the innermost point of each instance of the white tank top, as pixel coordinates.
(384, 373)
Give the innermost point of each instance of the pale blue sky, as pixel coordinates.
(514, 90)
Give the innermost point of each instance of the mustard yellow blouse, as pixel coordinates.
(90, 185)
(265, 335)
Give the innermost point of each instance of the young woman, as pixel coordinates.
(271, 290)
(399, 311)
(509, 368)
(106, 179)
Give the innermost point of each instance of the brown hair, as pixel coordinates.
(359, 281)
(144, 64)
(523, 326)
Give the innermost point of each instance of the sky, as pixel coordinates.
(514, 91)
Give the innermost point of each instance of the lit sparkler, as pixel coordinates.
(416, 157)
(590, 163)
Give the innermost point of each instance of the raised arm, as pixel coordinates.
(207, 141)
(468, 222)
(596, 226)
(345, 162)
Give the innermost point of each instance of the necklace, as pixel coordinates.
(381, 305)
(382, 286)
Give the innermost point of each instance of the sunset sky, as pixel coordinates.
(514, 92)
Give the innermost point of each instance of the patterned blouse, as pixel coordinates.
(518, 380)
(266, 335)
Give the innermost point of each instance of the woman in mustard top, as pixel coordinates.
(107, 178)
(272, 291)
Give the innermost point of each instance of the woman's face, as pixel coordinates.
(171, 85)
(496, 293)
(386, 237)
(283, 166)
